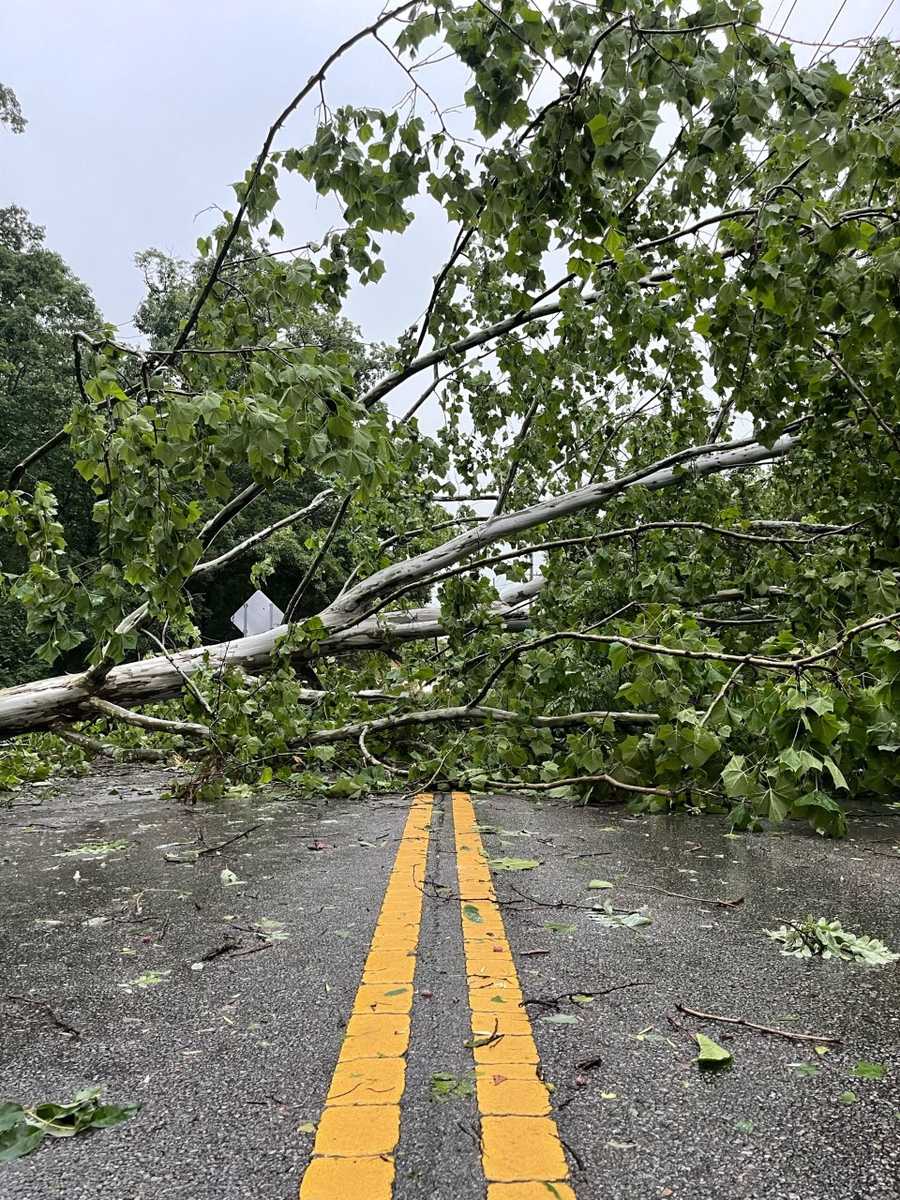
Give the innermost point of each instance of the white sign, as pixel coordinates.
(258, 615)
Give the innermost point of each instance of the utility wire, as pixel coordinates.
(834, 19)
(871, 36)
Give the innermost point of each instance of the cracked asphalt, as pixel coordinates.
(220, 1003)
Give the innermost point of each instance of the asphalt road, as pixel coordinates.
(231, 1052)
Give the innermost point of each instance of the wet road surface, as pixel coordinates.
(229, 1005)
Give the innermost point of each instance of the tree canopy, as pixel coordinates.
(664, 345)
(42, 305)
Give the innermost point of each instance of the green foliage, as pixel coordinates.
(41, 306)
(36, 758)
(23, 1129)
(811, 938)
(10, 110)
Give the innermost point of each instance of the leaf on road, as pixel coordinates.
(560, 1019)
(848, 1097)
(273, 930)
(93, 850)
(514, 864)
(471, 913)
(610, 919)
(712, 1055)
(146, 980)
(229, 879)
(448, 1087)
(560, 927)
(599, 884)
(869, 1070)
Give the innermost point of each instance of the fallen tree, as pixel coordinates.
(708, 621)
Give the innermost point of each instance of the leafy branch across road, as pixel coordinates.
(664, 340)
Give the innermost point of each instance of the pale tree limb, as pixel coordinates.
(137, 616)
(720, 695)
(213, 564)
(373, 759)
(591, 539)
(95, 746)
(702, 460)
(229, 511)
(518, 785)
(464, 714)
(155, 724)
(47, 701)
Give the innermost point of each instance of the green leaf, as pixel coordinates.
(448, 1087)
(560, 1019)
(712, 1056)
(847, 1098)
(471, 913)
(836, 774)
(599, 127)
(514, 864)
(10, 1115)
(19, 1140)
(107, 1115)
(599, 884)
(869, 1070)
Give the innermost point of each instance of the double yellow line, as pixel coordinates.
(353, 1155)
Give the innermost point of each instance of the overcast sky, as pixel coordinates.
(142, 113)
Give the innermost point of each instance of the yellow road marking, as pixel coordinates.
(353, 1155)
(521, 1150)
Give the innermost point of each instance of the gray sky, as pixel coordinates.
(141, 114)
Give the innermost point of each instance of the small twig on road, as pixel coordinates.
(589, 854)
(48, 1012)
(776, 1032)
(227, 946)
(554, 1001)
(195, 854)
(252, 950)
(221, 846)
(719, 903)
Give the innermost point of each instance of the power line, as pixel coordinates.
(777, 11)
(787, 18)
(834, 20)
(871, 36)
